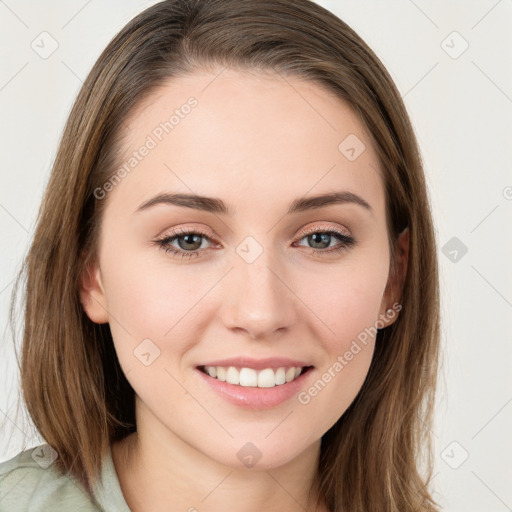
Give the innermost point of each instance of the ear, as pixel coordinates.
(92, 294)
(390, 304)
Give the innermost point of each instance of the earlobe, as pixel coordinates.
(391, 300)
(92, 295)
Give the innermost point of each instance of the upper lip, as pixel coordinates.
(257, 364)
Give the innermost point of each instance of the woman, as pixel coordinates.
(232, 292)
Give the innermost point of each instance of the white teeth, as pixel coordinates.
(266, 378)
(248, 377)
(232, 376)
(221, 372)
(290, 374)
(280, 376)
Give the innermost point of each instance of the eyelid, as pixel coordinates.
(185, 230)
(182, 230)
(324, 227)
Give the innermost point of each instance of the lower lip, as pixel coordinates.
(254, 397)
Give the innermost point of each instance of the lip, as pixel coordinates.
(252, 397)
(256, 364)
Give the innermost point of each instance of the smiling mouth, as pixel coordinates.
(249, 377)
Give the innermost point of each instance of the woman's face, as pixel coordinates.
(265, 275)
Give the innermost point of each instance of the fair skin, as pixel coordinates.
(258, 144)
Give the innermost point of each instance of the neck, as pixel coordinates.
(156, 469)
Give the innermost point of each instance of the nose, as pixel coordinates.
(259, 298)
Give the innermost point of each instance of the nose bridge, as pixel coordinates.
(260, 302)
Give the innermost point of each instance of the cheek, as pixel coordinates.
(335, 386)
(346, 301)
(153, 325)
(144, 303)
(140, 302)
(146, 294)
(155, 309)
(348, 304)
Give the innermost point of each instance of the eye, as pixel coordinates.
(322, 238)
(189, 241)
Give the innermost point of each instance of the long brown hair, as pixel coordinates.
(72, 383)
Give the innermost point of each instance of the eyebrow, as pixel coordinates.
(214, 205)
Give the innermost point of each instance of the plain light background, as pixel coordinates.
(451, 62)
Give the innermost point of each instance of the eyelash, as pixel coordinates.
(163, 243)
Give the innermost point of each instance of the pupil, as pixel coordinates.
(322, 236)
(191, 236)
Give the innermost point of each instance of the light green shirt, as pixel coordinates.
(29, 482)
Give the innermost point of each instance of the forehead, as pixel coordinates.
(246, 136)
